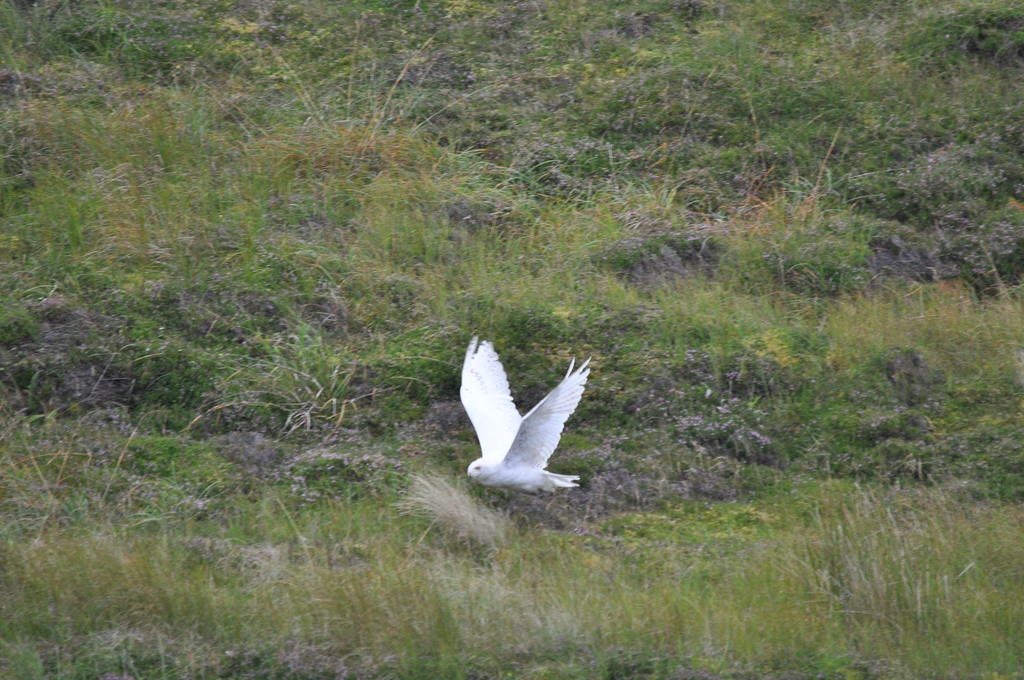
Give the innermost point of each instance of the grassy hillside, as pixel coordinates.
(243, 247)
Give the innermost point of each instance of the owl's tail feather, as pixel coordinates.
(553, 481)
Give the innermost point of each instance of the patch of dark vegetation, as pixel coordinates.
(913, 381)
(402, 294)
(829, 260)
(14, 84)
(958, 192)
(511, 23)
(993, 455)
(626, 663)
(130, 654)
(887, 424)
(714, 396)
(58, 356)
(291, 660)
(984, 32)
(896, 424)
(517, 327)
(985, 462)
(24, 153)
(611, 490)
(110, 421)
(728, 426)
(327, 312)
(335, 472)
(471, 216)
(233, 416)
(908, 459)
(144, 43)
(174, 380)
(669, 101)
(94, 384)
(556, 163)
(17, 326)
(444, 418)
(437, 68)
(629, 664)
(747, 375)
(637, 25)
(606, 321)
(212, 310)
(253, 452)
(989, 248)
(895, 257)
(657, 260)
(400, 384)
(954, 177)
(623, 475)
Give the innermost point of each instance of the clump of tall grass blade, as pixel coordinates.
(454, 511)
(912, 574)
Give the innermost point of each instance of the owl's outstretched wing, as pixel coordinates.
(486, 397)
(542, 427)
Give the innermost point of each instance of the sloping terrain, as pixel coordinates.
(243, 246)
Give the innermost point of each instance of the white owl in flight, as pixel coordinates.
(516, 448)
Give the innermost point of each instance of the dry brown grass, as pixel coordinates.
(449, 507)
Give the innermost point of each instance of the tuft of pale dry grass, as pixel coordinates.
(454, 511)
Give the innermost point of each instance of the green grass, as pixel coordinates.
(832, 579)
(242, 249)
